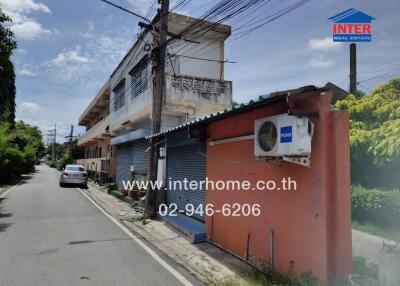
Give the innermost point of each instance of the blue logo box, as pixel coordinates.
(286, 134)
(352, 38)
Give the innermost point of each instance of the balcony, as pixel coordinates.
(184, 95)
(196, 95)
(97, 132)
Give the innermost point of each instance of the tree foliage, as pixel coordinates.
(20, 149)
(375, 135)
(7, 75)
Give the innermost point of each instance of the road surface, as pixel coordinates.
(56, 236)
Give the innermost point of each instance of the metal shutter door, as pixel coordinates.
(186, 162)
(140, 157)
(123, 163)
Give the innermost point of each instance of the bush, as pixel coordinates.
(52, 164)
(11, 160)
(111, 186)
(64, 160)
(20, 148)
(376, 206)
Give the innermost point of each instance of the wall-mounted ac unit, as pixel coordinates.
(283, 136)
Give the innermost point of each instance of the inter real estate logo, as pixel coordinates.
(352, 26)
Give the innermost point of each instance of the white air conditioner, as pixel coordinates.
(283, 136)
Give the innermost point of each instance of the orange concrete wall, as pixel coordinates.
(312, 225)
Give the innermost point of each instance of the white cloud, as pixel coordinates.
(24, 27)
(69, 58)
(23, 6)
(25, 72)
(321, 63)
(324, 45)
(29, 30)
(70, 65)
(30, 107)
(82, 63)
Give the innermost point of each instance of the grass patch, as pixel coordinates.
(365, 269)
(261, 279)
(385, 232)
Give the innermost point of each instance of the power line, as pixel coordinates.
(374, 77)
(150, 9)
(270, 18)
(203, 59)
(126, 10)
(388, 68)
(153, 9)
(180, 5)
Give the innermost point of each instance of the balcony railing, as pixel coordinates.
(183, 94)
(95, 132)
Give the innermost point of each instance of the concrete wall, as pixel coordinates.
(312, 225)
(139, 108)
(206, 49)
(94, 164)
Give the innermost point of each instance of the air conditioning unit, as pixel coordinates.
(283, 136)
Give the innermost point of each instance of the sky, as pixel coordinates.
(67, 50)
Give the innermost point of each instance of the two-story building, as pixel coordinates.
(99, 159)
(194, 80)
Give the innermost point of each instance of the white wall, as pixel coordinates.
(208, 49)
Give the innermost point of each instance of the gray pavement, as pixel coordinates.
(55, 236)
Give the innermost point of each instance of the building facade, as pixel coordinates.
(304, 230)
(99, 158)
(195, 86)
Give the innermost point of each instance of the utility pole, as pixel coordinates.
(54, 142)
(159, 54)
(51, 137)
(353, 68)
(70, 137)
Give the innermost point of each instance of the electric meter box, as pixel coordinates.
(283, 136)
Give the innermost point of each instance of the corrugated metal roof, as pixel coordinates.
(262, 100)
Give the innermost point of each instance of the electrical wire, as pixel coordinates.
(153, 4)
(270, 18)
(203, 59)
(180, 5)
(126, 10)
(374, 77)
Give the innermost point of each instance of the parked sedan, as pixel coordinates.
(74, 174)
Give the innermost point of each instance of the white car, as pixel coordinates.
(74, 174)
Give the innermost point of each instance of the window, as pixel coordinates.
(119, 95)
(100, 153)
(75, 169)
(139, 78)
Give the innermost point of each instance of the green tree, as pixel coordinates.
(375, 135)
(76, 151)
(7, 75)
(26, 135)
(20, 149)
(59, 150)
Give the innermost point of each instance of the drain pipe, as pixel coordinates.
(271, 250)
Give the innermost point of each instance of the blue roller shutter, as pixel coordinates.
(123, 163)
(140, 157)
(187, 161)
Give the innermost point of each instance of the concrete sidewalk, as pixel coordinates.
(367, 245)
(205, 261)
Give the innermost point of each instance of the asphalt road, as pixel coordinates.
(56, 236)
